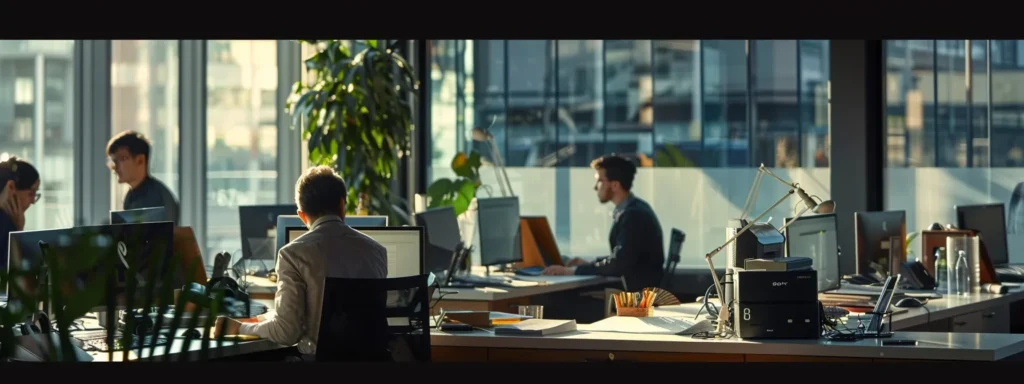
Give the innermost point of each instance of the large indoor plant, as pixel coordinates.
(356, 114)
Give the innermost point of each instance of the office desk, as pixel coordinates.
(975, 327)
(506, 299)
(582, 346)
(177, 350)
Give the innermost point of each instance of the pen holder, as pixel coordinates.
(634, 311)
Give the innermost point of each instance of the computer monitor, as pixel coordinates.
(442, 228)
(139, 248)
(815, 237)
(292, 221)
(500, 236)
(258, 224)
(872, 231)
(140, 215)
(989, 220)
(405, 246)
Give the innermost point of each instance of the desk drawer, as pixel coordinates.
(969, 323)
(996, 319)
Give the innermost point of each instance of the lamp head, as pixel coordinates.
(827, 206)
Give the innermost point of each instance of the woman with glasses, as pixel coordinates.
(20, 182)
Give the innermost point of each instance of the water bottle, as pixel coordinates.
(963, 274)
(941, 270)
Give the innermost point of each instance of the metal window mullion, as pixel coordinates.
(289, 141)
(192, 152)
(91, 131)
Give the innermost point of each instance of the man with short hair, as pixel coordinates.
(129, 159)
(636, 240)
(330, 249)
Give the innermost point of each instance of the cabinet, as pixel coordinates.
(990, 320)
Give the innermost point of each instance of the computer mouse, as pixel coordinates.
(909, 302)
(192, 333)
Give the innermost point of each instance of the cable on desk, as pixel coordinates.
(711, 307)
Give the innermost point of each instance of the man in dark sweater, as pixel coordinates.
(636, 240)
(129, 159)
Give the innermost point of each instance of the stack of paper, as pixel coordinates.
(536, 327)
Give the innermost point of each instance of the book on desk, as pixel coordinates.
(536, 327)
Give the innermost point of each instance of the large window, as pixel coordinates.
(144, 98)
(954, 128)
(241, 135)
(36, 122)
(699, 116)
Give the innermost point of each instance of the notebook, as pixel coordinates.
(536, 327)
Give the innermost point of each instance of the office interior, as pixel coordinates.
(719, 129)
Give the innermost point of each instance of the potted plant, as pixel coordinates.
(357, 117)
(458, 192)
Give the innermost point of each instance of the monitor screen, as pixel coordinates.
(815, 237)
(443, 236)
(293, 221)
(258, 224)
(990, 222)
(500, 235)
(404, 246)
(873, 231)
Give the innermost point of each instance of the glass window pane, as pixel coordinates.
(241, 135)
(144, 98)
(37, 122)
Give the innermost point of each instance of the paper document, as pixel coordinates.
(536, 327)
(552, 279)
(647, 325)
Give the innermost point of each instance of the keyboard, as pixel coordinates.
(835, 312)
(481, 281)
(97, 341)
(530, 271)
(1011, 270)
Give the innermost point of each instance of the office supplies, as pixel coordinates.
(482, 319)
(771, 304)
(779, 264)
(636, 304)
(536, 327)
(827, 206)
(998, 289)
(404, 246)
(646, 325)
(909, 302)
(899, 342)
(500, 232)
(456, 327)
(816, 237)
(140, 215)
(873, 231)
(663, 298)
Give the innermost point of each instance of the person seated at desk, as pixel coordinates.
(636, 239)
(129, 159)
(330, 249)
(20, 183)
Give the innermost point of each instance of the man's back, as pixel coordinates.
(330, 249)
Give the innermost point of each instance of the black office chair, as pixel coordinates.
(675, 248)
(355, 326)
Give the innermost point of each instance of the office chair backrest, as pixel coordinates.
(354, 320)
(675, 248)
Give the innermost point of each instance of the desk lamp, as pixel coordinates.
(484, 135)
(827, 206)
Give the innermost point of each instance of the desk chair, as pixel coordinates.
(355, 326)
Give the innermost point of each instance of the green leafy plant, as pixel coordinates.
(460, 191)
(670, 156)
(910, 240)
(71, 302)
(357, 117)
